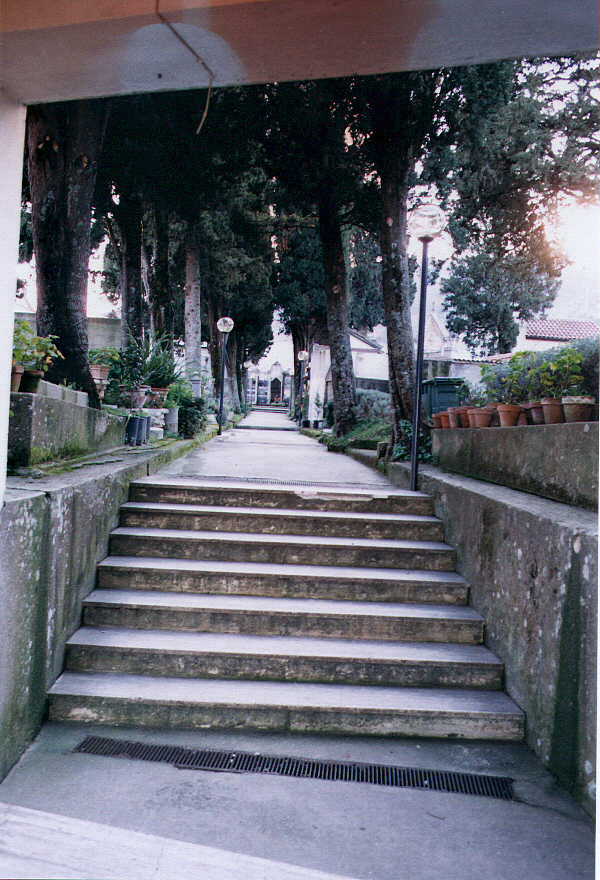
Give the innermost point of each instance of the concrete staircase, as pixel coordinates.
(251, 606)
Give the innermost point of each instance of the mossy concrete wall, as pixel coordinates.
(532, 567)
(53, 532)
(553, 461)
(42, 428)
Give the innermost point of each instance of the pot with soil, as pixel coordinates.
(462, 415)
(509, 414)
(578, 408)
(16, 376)
(553, 411)
(444, 419)
(479, 417)
(30, 381)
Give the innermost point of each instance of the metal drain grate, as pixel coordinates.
(308, 768)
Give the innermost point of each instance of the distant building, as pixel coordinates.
(543, 333)
(270, 384)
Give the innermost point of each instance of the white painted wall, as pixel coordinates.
(12, 137)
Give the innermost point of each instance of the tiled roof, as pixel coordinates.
(545, 328)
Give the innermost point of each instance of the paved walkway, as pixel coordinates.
(222, 825)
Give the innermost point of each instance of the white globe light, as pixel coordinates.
(302, 355)
(426, 222)
(225, 325)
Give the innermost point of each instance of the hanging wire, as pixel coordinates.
(198, 58)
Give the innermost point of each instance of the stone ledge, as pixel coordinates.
(532, 567)
(553, 461)
(54, 532)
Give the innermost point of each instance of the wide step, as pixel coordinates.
(273, 616)
(296, 581)
(284, 706)
(282, 658)
(241, 494)
(281, 521)
(287, 549)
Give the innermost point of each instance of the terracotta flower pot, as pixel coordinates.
(463, 419)
(483, 418)
(437, 422)
(471, 416)
(444, 419)
(453, 417)
(30, 381)
(534, 413)
(553, 411)
(160, 395)
(100, 372)
(16, 376)
(578, 409)
(509, 414)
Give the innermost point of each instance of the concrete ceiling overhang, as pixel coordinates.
(65, 50)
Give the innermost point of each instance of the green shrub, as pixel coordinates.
(32, 351)
(401, 451)
(328, 414)
(180, 392)
(160, 369)
(365, 435)
(371, 404)
(192, 417)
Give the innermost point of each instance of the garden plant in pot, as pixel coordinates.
(556, 377)
(132, 387)
(103, 361)
(179, 394)
(35, 354)
(160, 369)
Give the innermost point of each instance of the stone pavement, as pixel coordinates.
(218, 825)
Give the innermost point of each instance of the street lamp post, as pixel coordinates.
(224, 326)
(302, 357)
(425, 223)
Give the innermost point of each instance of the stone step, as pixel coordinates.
(281, 521)
(282, 658)
(260, 615)
(287, 549)
(180, 490)
(295, 581)
(341, 709)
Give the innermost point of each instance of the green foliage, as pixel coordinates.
(486, 295)
(328, 414)
(372, 405)
(160, 369)
(180, 392)
(106, 356)
(366, 293)
(133, 361)
(32, 351)
(192, 417)
(553, 373)
(299, 284)
(401, 451)
(366, 435)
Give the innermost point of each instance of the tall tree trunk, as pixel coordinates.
(128, 214)
(342, 371)
(193, 302)
(396, 294)
(231, 358)
(64, 142)
(160, 299)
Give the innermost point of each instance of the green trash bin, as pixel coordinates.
(439, 394)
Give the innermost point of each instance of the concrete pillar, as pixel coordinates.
(12, 137)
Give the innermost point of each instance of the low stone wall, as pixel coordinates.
(554, 461)
(532, 568)
(54, 532)
(43, 428)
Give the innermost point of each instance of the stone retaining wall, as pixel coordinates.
(553, 461)
(532, 567)
(43, 428)
(54, 532)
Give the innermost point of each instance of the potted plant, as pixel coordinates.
(179, 393)
(577, 406)
(37, 354)
(21, 339)
(102, 361)
(133, 389)
(160, 369)
(557, 374)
